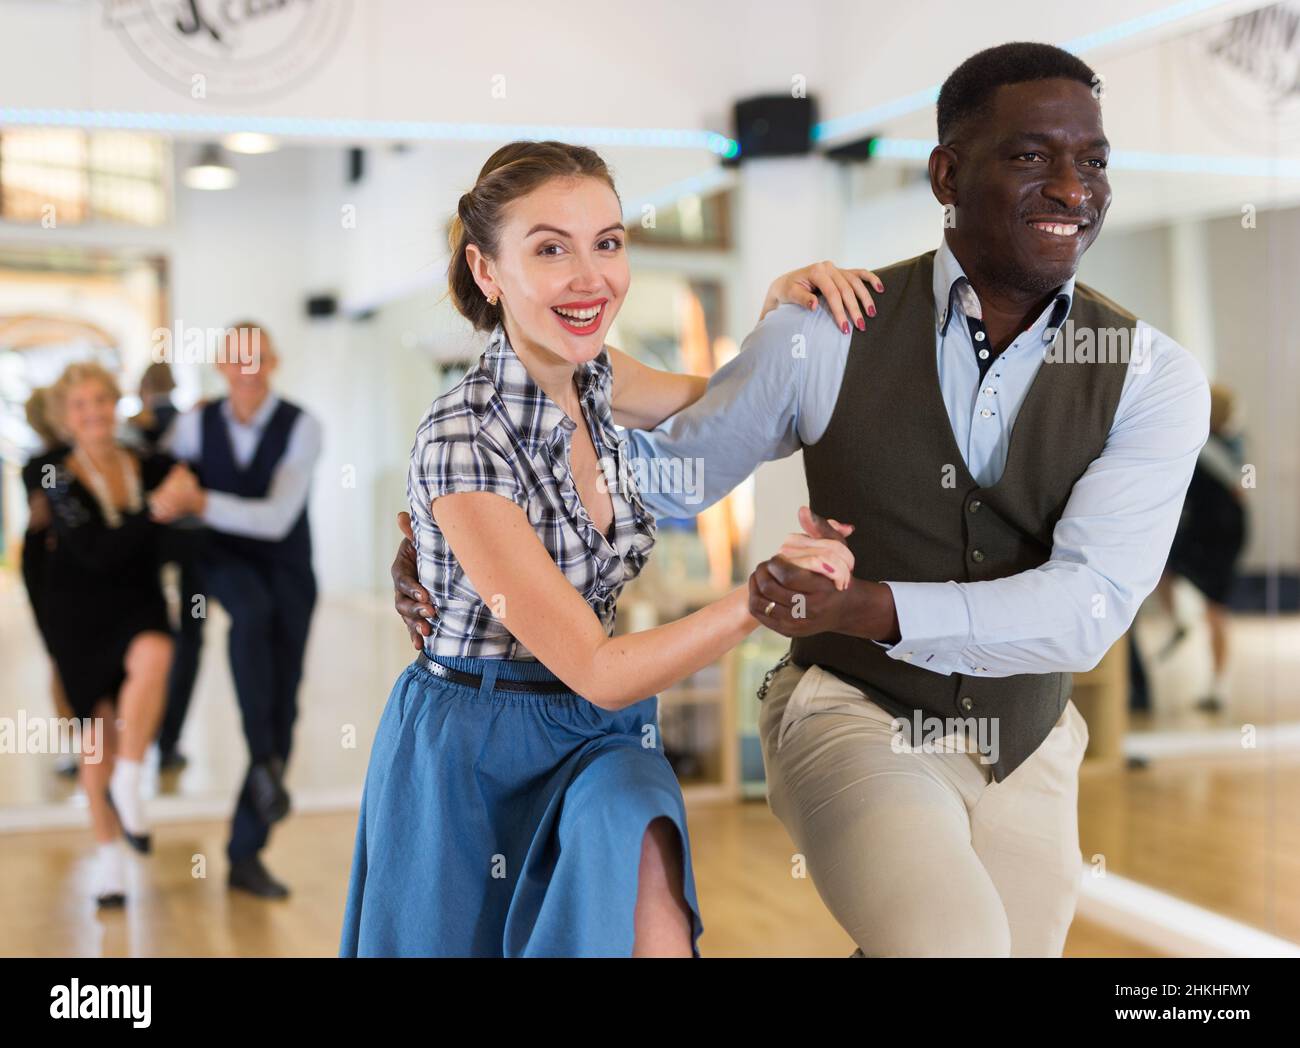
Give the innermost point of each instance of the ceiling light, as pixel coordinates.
(210, 171)
(250, 143)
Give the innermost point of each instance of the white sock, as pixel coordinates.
(124, 785)
(110, 873)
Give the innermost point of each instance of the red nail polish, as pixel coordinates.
(862, 324)
(880, 287)
(845, 327)
(827, 566)
(871, 311)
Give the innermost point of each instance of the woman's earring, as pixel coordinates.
(491, 300)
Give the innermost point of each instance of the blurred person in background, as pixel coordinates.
(1211, 535)
(38, 473)
(156, 407)
(183, 546)
(104, 610)
(253, 454)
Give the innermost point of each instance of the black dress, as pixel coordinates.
(1213, 527)
(36, 541)
(102, 585)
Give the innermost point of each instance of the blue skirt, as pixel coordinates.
(504, 823)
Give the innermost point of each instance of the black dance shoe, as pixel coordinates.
(141, 842)
(251, 876)
(266, 792)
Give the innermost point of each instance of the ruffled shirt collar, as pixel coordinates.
(535, 415)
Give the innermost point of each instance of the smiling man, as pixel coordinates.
(1011, 506)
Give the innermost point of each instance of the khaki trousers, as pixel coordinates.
(922, 854)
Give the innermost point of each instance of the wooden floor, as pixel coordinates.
(752, 907)
(1223, 833)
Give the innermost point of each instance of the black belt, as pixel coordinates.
(474, 680)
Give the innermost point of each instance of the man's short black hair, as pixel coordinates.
(969, 90)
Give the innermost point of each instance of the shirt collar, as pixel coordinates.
(260, 417)
(535, 415)
(953, 290)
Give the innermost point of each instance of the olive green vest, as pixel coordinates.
(889, 464)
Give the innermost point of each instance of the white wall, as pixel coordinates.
(674, 64)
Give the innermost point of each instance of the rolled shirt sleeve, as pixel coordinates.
(470, 463)
(1109, 547)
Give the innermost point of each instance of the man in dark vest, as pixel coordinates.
(253, 454)
(1006, 453)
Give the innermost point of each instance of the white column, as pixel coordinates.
(1191, 292)
(789, 212)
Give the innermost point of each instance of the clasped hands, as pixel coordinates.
(808, 587)
(179, 495)
(808, 584)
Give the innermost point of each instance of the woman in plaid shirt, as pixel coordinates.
(518, 801)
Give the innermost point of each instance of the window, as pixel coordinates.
(70, 177)
(690, 222)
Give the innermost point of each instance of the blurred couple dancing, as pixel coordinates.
(974, 502)
(220, 490)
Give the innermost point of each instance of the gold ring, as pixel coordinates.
(770, 605)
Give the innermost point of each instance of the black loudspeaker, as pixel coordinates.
(322, 306)
(356, 165)
(774, 125)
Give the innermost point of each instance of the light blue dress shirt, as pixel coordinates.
(1108, 549)
(268, 518)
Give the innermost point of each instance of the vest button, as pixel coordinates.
(977, 555)
(974, 505)
(967, 703)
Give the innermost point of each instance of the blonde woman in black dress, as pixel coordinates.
(104, 609)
